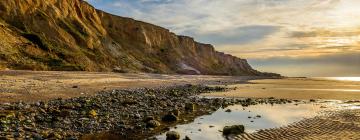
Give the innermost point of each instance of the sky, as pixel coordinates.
(291, 37)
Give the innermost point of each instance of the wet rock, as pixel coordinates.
(152, 124)
(233, 130)
(169, 118)
(37, 136)
(172, 135)
(176, 112)
(190, 107)
(228, 110)
(187, 138)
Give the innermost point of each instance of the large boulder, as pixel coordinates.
(233, 130)
(172, 135)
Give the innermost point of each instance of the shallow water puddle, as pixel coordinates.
(254, 118)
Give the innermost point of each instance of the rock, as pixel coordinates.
(176, 112)
(172, 135)
(228, 110)
(36, 136)
(75, 86)
(189, 107)
(169, 118)
(55, 135)
(152, 124)
(92, 113)
(65, 113)
(312, 100)
(233, 130)
(187, 138)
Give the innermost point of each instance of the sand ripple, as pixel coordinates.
(340, 125)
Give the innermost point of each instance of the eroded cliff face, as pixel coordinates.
(72, 35)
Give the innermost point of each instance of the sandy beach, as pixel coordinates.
(30, 86)
(90, 99)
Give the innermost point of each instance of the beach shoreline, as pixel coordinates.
(33, 86)
(84, 105)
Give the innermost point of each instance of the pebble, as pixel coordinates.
(172, 135)
(134, 112)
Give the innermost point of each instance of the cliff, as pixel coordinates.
(72, 35)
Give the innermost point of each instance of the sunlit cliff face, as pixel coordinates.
(291, 37)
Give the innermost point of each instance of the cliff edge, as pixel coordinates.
(73, 35)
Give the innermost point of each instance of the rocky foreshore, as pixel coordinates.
(130, 114)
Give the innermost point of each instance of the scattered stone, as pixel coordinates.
(75, 86)
(128, 111)
(233, 130)
(153, 124)
(228, 110)
(176, 112)
(190, 107)
(172, 135)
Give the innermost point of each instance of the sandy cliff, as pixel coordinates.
(72, 35)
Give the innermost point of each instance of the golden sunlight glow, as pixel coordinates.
(345, 78)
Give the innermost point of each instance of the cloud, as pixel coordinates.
(236, 36)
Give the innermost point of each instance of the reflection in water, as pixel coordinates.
(208, 127)
(342, 78)
(316, 89)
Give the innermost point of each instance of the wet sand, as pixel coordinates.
(295, 88)
(338, 124)
(32, 86)
(341, 125)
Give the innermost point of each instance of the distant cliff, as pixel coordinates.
(72, 35)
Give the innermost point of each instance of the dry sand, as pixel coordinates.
(30, 86)
(295, 88)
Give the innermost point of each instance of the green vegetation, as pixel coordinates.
(76, 30)
(34, 38)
